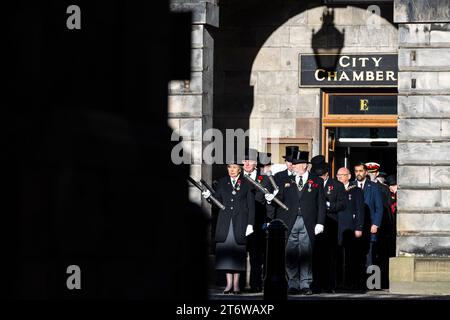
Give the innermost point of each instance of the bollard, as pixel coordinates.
(275, 282)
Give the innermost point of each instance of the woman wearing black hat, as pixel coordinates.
(234, 224)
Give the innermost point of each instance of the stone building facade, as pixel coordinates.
(245, 71)
(423, 239)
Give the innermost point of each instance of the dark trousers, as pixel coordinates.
(325, 255)
(351, 260)
(386, 244)
(372, 253)
(299, 257)
(256, 249)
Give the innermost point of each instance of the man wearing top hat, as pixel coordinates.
(265, 162)
(273, 212)
(325, 266)
(256, 241)
(303, 194)
(287, 158)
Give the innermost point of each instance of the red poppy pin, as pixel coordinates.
(311, 184)
(330, 188)
(260, 178)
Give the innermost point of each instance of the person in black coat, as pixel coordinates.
(279, 177)
(287, 158)
(304, 220)
(324, 262)
(373, 204)
(234, 224)
(256, 243)
(350, 231)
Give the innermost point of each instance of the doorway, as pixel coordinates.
(360, 127)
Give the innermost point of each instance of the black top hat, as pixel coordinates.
(299, 157)
(321, 169)
(251, 154)
(391, 180)
(264, 158)
(289, 151)
(318, 160)
(319, 166)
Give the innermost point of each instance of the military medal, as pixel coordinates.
(330, 188)
(233, 192)
(349, 197)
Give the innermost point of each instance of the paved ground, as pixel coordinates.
(216, 294)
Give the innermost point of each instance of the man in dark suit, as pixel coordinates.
(305, 219)
(373, 208)
(256, 241)
(287, 158)
(273, 212)
(350, 231)
(385, 234)
(324, 264)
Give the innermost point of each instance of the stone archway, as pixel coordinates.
(280, 106)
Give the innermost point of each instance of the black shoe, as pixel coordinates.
(293, 291)
(255, 290)
(236, 291)
(227, 291)
(306, 292)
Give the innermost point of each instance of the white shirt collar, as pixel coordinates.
(252, 174)
(235, 179)
(361, 182)
(346, 185)
(304, 177)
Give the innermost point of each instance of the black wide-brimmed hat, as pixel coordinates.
(299, 157)
(391, 180)
(264, 158)
(319, 166)
(289, 151)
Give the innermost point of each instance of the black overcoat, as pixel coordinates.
(239, 207)
(310, 200)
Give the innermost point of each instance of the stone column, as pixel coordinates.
(191, 100)
(422, 265)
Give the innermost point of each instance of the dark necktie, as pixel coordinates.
(300, 183)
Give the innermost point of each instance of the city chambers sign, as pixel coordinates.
(348, 70)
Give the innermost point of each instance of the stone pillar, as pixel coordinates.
(191, 100)
(422, 265)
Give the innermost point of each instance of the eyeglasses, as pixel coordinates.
(343, 174)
